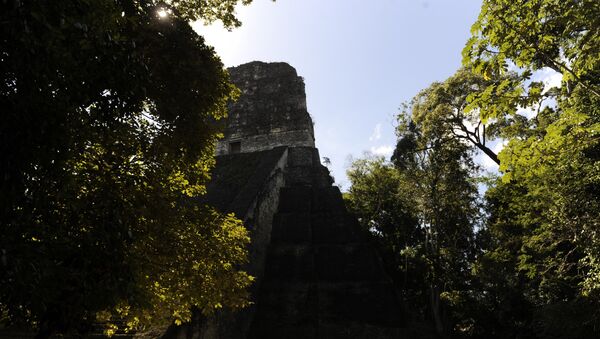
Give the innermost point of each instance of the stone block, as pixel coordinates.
(291, 228)
(302, 157)
(328, 199)
(286, 311)
(295, 199)
(347, 263)
(330, 228)
(289, 263)
(322, 177)
(298, 176)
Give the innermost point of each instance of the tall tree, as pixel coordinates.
(441, 171)
(382, 201)
(107, 137)
(424, 209)
(560, 141)
(544, 211)
(446, 107)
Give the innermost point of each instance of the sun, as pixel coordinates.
(162, 13)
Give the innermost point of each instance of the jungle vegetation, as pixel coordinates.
(523, 259)
(107, 136)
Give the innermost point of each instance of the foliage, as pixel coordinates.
(544, 211)
(448, 106)
(107, 136)
(531, 35)
(536, 256)
(381, 199)
(536, 262)
(207, 10)
(441, 171)
(563, 35)
(423, 209)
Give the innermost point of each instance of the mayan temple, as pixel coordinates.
(317, 274)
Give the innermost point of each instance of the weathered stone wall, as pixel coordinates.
(270, 112)
(317, 275)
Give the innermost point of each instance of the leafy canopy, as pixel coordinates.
(544, 211)
(563, 35)
(107, 140)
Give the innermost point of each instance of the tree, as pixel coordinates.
(560, 141)
(440, 169)
(532, 34)
(544, 211)
(423, 210)
(381, 200)
(107, 138)
(447, 106)
(527, 36)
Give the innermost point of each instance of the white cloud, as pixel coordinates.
(553, 80)
(549, 77)
(526, 112)
(385, 150)
(376, 133)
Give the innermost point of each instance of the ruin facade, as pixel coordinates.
(317, 274)
(270, 112)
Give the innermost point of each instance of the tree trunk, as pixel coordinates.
(436, 311)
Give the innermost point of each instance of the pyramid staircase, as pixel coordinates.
(322, 278)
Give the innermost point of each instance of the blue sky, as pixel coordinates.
(360, 60)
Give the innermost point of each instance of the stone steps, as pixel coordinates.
(322, 278)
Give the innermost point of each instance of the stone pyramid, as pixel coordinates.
(318, 276)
